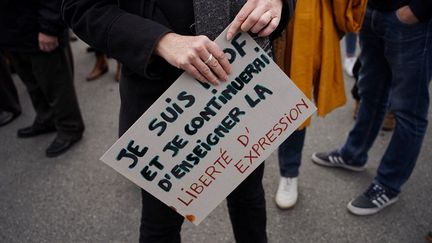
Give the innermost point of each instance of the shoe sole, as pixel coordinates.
(284, 207)
(319, 161)
(367, 211)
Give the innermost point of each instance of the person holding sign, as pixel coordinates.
(156, 41)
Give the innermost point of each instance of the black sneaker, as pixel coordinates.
(372, 200)
(334, 159)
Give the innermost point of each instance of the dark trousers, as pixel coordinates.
(356, 70)
(159, 223)
(290, 154)
(246, 206)
(49, 81)
(395, 75)
(8, 94)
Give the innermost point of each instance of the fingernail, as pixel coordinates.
(229, 36)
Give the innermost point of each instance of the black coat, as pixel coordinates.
(22, 20)
(128, 30)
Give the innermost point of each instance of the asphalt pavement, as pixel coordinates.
(77, 198)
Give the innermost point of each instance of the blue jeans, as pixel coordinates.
(290, 153)
(395, 74)
(350, 44)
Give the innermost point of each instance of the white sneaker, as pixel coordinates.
(348, 65)
(286, 195)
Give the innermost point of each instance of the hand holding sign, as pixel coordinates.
(258, 16)
(197, 55)
(198, 142)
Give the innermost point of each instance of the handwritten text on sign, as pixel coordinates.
(198, 142)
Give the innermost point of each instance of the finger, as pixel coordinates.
(262, 22)
(54, 46)
(221, 59)
(270, 27)
(252, 19)
(41, 46)
(45, 47)
(206, 71)
(191, 70)
(240, 18)
(210, 62)
(50, 47)
(217, 69)
(220, 56)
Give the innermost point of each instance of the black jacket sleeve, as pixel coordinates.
(128, 38)
(49, 18)
(422, 9)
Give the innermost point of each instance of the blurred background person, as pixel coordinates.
(389, 118)
(309, 53)
(37, 39)
(10, 107)
(396, 59)
(101, 66)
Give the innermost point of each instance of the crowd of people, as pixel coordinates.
(156, 41)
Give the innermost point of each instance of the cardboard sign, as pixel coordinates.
(198, 142)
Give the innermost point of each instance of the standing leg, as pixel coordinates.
(9, 103)
(159, 223)
(44, 120)
(289, 154)
(350, 53)
(54, 73)
(408, 51)
(373, 88)
(247, 209)
(100, 66)
(8, 94)
(350, 44)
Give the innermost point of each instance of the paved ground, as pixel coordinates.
(77, 198)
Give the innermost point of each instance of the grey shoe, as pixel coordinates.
(334, 159)
(373, 200)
